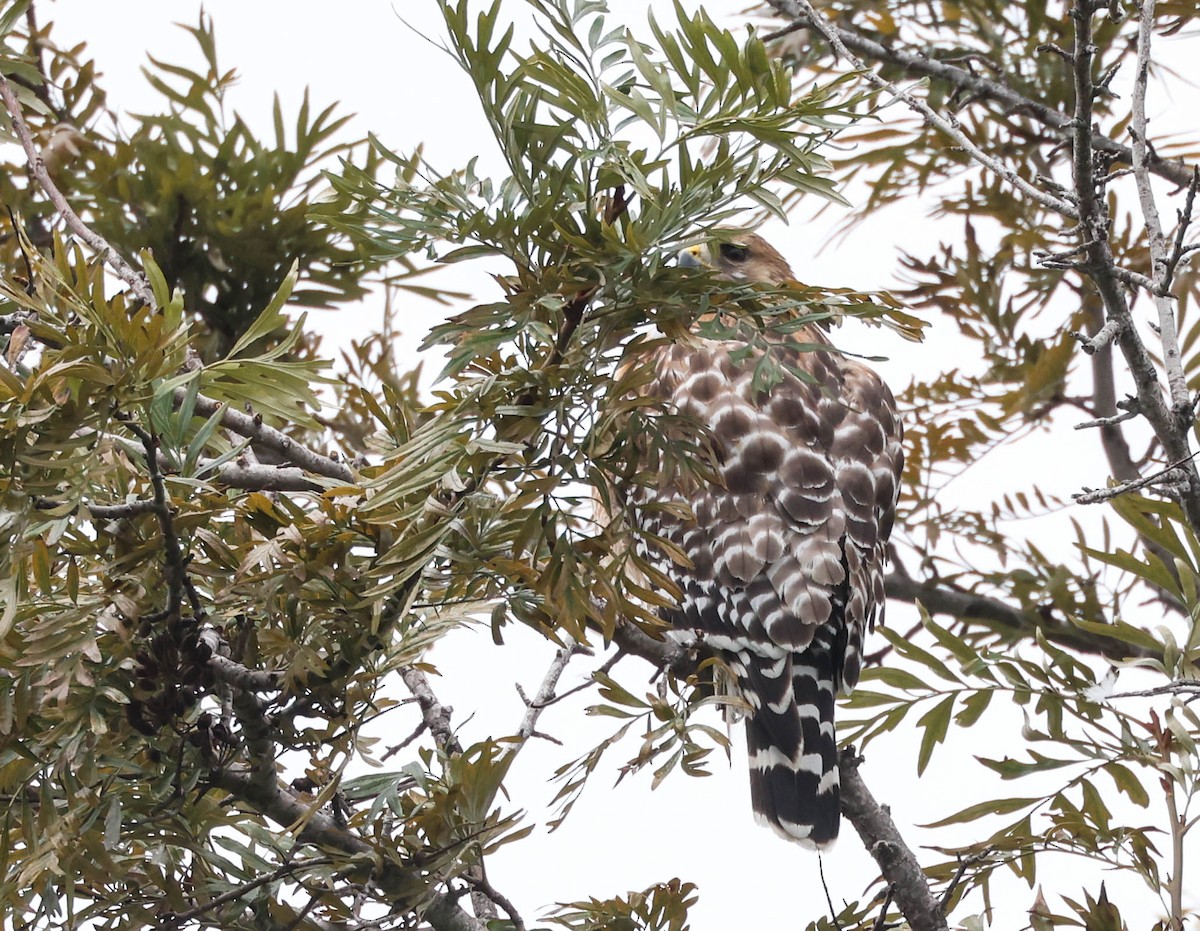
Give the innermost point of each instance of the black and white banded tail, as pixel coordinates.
(792, 744)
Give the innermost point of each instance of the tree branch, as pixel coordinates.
(949, 127)
(133, 279)
(896, 861)
(1177, 384)
(545, 694)
(977, 87)
(941, 598)
(394, 880)
(1169, 426)
(252, 427)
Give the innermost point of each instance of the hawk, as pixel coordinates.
(786, 551)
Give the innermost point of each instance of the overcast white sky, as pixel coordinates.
(360, 54)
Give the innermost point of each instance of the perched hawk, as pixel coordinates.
(787, 551)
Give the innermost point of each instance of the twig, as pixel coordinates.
(828, 897)
(1185, 219)
(1107, 421)
(1103, 338)
(172, 550)
(123, 270)
(1184, 687)
(881, 921)
(1129, 410)
(963, 864)
(392, 751)
(605, 667)
(171, 919)
(1172, 474)
(947, 127)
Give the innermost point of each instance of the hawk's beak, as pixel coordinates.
(692, 257)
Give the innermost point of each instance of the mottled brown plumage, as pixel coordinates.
(787, 552)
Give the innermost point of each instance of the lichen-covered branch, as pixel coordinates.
(252, 427)
(896, 861)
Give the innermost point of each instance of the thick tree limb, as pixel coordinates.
(255, 477)
(940, 598)
(895, 860)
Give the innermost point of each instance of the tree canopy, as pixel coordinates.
(228, 555)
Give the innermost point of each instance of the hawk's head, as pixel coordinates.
(739, 256)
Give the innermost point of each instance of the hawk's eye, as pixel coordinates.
(734, 252)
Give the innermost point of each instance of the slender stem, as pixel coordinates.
(1178, 830)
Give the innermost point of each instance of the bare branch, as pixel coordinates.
(1179, 687)
(1171, 426)
(256, 477)
(1108, 421)
(896, 861)
(435, 715)
(1171, 475)
(545, 694)
(1102, 339)
(1159, 258)
(979, 87)
(252, 427)
(949, 127)
(1179, 250)
(103, 512)
(123, 270)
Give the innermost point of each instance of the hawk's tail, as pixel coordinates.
(794, 784)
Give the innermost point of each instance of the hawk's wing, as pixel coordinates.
(787, 553)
